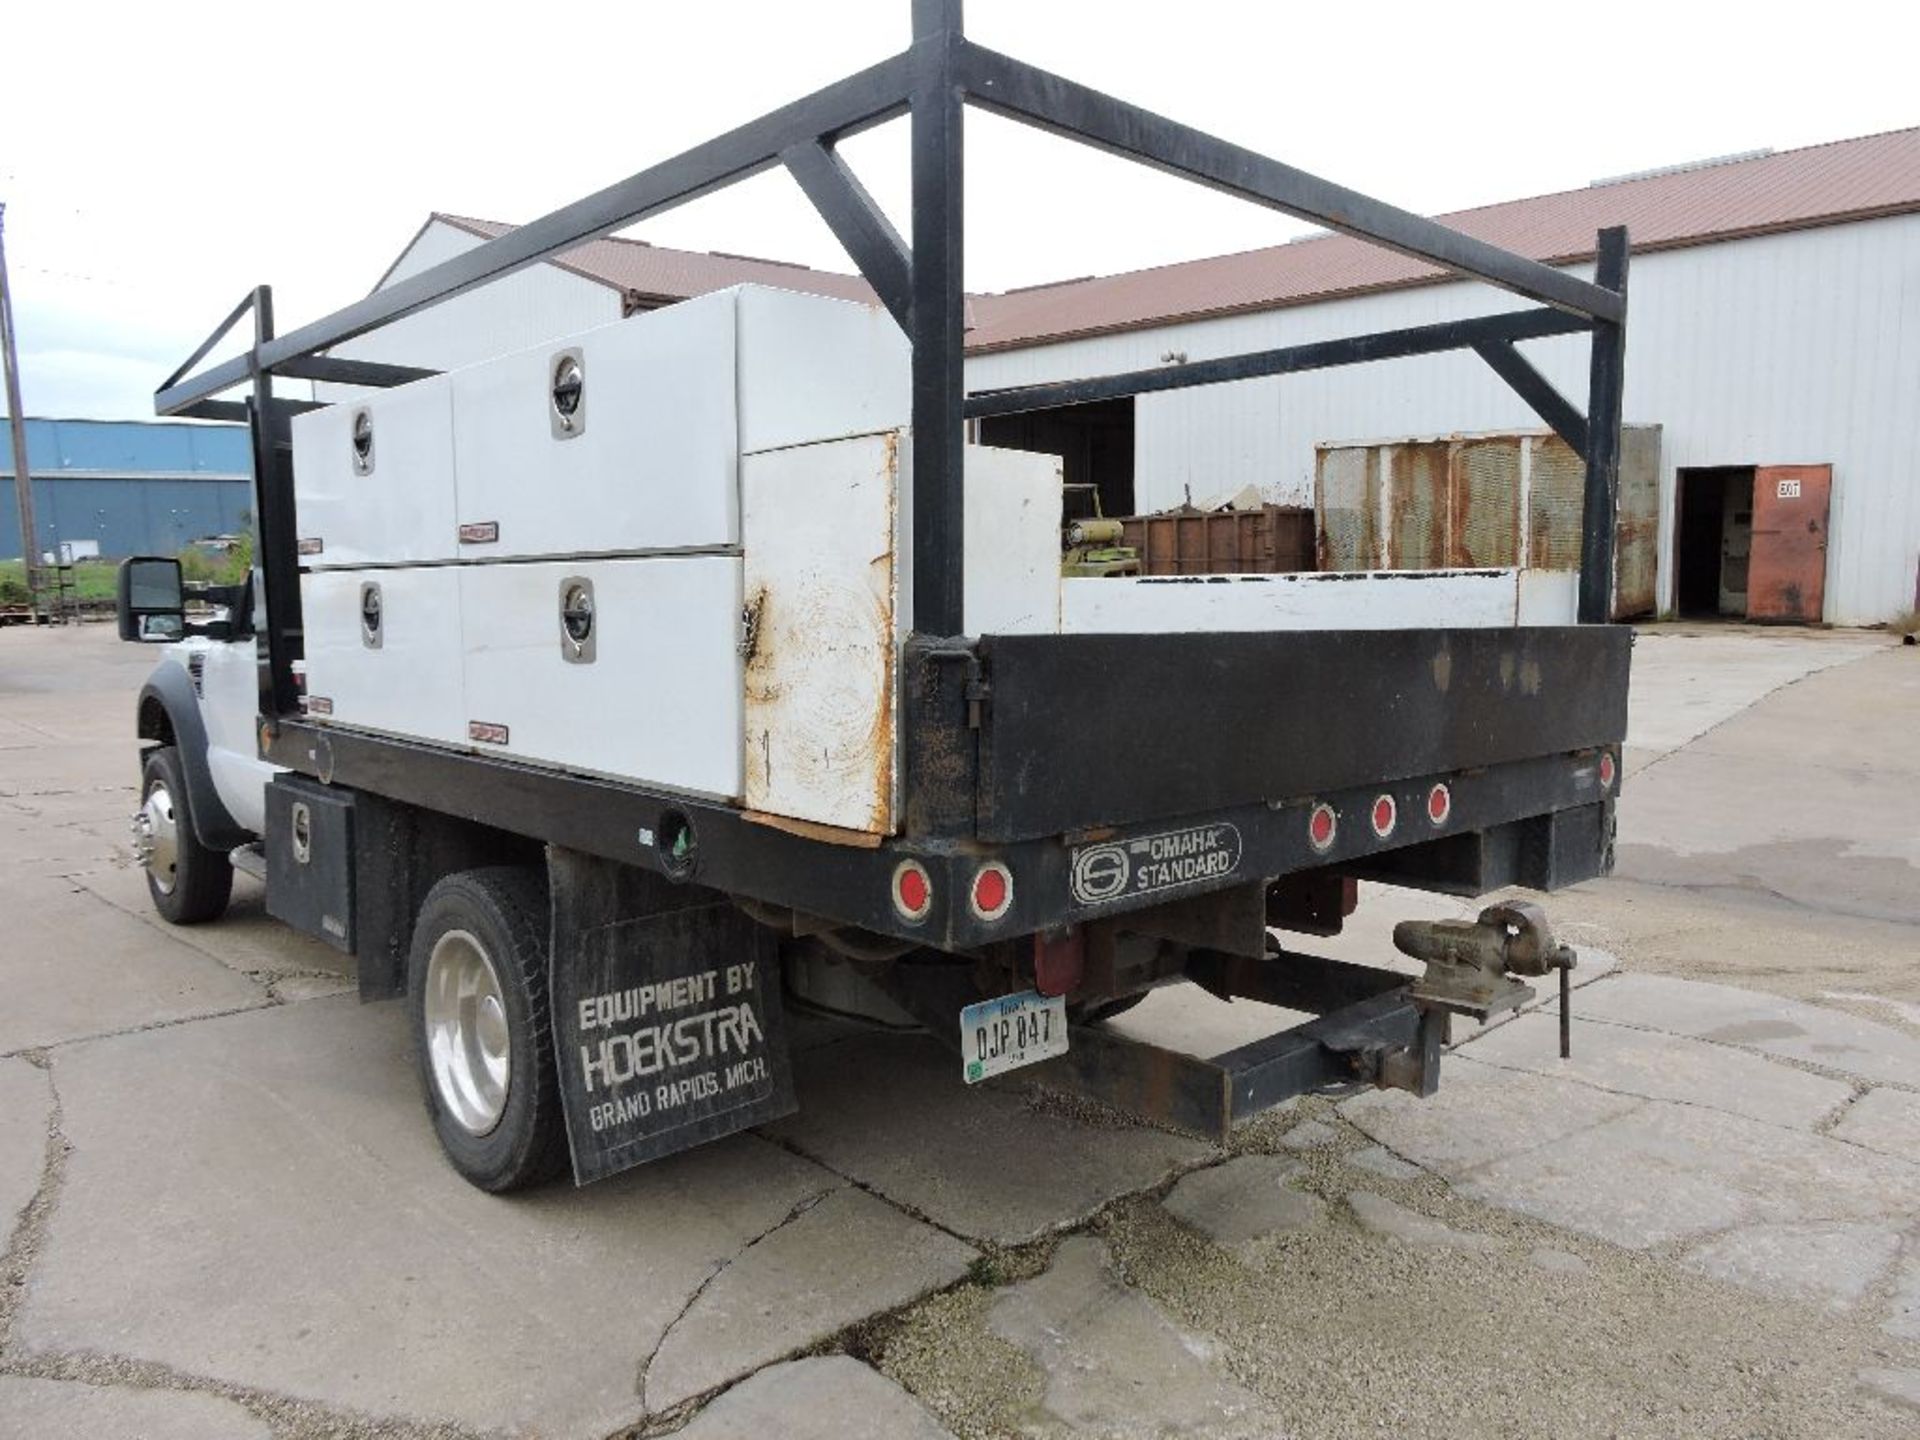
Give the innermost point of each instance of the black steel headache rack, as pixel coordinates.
(970, 707)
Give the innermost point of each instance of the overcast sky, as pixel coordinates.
(158, 160)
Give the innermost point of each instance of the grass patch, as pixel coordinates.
(95, 579)
(92, 580)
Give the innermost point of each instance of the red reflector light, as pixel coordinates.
(912, 890)
(1607, 771)
(1322, 826)
(1439, 804)
(1385, 814)
(992, 894)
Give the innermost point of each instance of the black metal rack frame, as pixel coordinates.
(951, 760)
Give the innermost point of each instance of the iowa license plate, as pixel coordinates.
(1009, 1031)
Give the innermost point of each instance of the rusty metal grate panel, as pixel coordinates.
(1637, 550)
(1420, 506)
(1348, 501)
(1557, 486)
(1485, 502)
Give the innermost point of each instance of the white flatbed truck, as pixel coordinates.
(602, 697)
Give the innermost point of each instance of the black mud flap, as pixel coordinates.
(667, 1023)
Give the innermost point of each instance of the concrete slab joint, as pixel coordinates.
(836, 1260)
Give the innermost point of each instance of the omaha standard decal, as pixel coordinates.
(1116, 869)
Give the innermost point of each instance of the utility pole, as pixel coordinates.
(17, 423)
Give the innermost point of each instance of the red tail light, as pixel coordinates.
(992, 893)
(1386, 815)
(912, 890)
(1322, 826)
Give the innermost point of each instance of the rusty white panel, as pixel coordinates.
(409, 683)
(1417, 505)
(1556, 497)
(1308, 600)
(814, 368)
(1347, 505)
(396, 505)
(1483, 510)
(819, 528)
(1637, 552)
(655, 700)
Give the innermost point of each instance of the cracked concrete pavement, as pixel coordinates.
(223, 1213)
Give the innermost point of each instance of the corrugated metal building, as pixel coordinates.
(1775, 320)
(131, 487)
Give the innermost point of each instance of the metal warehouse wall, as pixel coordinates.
(128, 515)
(528, 307)
(1781, 349)
(134, 487)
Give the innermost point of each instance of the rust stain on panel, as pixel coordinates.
(1557, 485)
(1484, 484)
(1347, 498)
(828, 834)
(1457, 502)
(817, 641)
(1637, 547)
(1419, 507)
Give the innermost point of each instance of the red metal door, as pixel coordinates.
(1787, 575)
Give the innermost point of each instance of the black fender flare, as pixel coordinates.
(169, 713)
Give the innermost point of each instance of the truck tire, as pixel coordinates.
(477, 1002)
(188, 882)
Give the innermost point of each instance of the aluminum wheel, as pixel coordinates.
(468, 1047)
(156, 838)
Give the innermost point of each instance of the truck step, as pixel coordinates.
(250, 860)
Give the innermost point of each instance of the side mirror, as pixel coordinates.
(149, 600)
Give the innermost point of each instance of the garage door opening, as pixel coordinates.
(1095, 442)
(1714, 543)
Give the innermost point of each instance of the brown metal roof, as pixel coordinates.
(656, 273)
(1794, 189)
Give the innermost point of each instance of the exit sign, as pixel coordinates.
(1789, 490)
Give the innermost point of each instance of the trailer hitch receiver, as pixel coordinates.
(1470, 963)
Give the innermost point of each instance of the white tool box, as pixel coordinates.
(383, 650)
(626, 668)
(622, 439)
(813, 369)
(627, 439)
(374, 479)
(583, 502)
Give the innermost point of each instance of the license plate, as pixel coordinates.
(1009, 1031)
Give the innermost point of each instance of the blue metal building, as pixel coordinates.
(133, 487)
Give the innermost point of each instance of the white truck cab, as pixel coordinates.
(203, 788)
